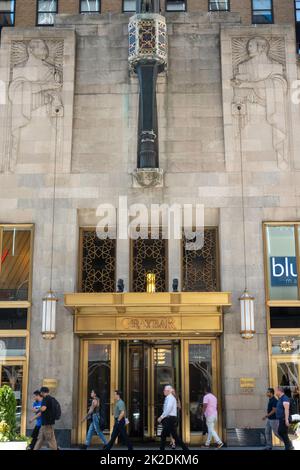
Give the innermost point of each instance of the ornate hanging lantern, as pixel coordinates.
(49, 315)
(247, 315)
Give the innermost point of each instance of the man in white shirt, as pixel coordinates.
(169, 420)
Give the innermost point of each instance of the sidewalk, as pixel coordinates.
(169, 451)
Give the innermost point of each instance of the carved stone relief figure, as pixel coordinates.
(34, 94)
(260, 88)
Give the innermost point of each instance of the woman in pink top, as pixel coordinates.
(210, 408)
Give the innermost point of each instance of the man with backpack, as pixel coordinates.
(50, 411)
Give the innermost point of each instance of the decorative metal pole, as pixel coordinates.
(147, 58)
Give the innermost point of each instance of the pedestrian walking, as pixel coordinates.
(210, 409)
(96, 422)
(119, 428)
(36, 407)
(49, 413)
(169, 420)
(283, 414)
(271, 420)
(172, 443)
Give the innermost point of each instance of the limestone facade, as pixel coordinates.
(85, 114)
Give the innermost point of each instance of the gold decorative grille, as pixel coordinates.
(200, 267)
(98, 263)
(149, 256)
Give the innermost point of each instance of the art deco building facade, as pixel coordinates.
(194, 103)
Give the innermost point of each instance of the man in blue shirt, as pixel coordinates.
(270, 417)
(36, 405)
(282, 414)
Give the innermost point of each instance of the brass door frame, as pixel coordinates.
(83, 383)
(184, 366)
(215, 357)
(274, 377)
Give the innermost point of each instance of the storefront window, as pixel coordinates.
(284, 317)
(288, 374)
(13, 318)
(15, 247)
(12, 347)
(282, 262)
(12, 375)
(15, 290)
(286, 345)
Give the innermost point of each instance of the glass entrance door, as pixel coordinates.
(166, 371)
(147, 366)
(98, 372)
(141, 368)
(138, 393)
(201, 366)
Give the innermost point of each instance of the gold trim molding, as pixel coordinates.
(283, 303)
(182, 312)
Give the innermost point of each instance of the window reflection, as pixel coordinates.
(15, 264)
(99, 366)
(175, 5)
(47, 10)
(200, 370)
(12, 347)
(90, 6)
(219, 5)
(13, 377)
(262, 11)
(129, 5)
(288, 374)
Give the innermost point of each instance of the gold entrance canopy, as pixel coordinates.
(182, 313)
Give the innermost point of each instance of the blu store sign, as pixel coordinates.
(283, 271)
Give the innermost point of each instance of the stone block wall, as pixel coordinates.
(199, 151)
